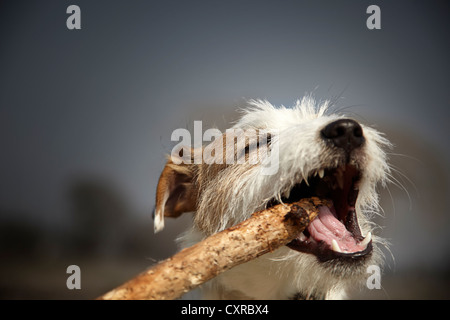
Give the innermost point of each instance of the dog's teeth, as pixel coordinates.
(335, 246)
(287, 193)
(366, 240)
(302, 237)
(315, 173)
(321, 173)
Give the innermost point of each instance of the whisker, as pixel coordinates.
(404, 176)
(405, 156)
(399, 185)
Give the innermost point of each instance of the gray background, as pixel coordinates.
(86, 117)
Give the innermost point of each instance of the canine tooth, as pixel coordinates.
(302, 237)
(335, 246)
(366, 240)
(321, 173)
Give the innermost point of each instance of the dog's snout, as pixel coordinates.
(344, 133)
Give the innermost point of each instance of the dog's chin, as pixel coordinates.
(334, 237)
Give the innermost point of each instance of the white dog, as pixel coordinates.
(318, 154)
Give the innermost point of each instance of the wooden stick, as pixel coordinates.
(263, 232)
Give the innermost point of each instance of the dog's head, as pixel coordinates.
(297, 153)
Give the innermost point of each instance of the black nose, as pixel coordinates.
(345, 133)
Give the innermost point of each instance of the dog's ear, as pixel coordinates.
(176, 193)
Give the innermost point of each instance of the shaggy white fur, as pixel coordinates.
(228, 194)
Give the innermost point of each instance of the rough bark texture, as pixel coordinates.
(263, 232)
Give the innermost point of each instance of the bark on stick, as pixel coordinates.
(263, 232)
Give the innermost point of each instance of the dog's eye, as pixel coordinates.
(259, 142)
(267, 142)
(269, 138)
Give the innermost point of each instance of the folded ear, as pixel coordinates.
(176, 193)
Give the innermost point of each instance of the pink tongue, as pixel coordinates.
(327, 227)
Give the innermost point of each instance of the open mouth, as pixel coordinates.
(335, 233)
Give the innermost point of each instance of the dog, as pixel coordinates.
(318, 153)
